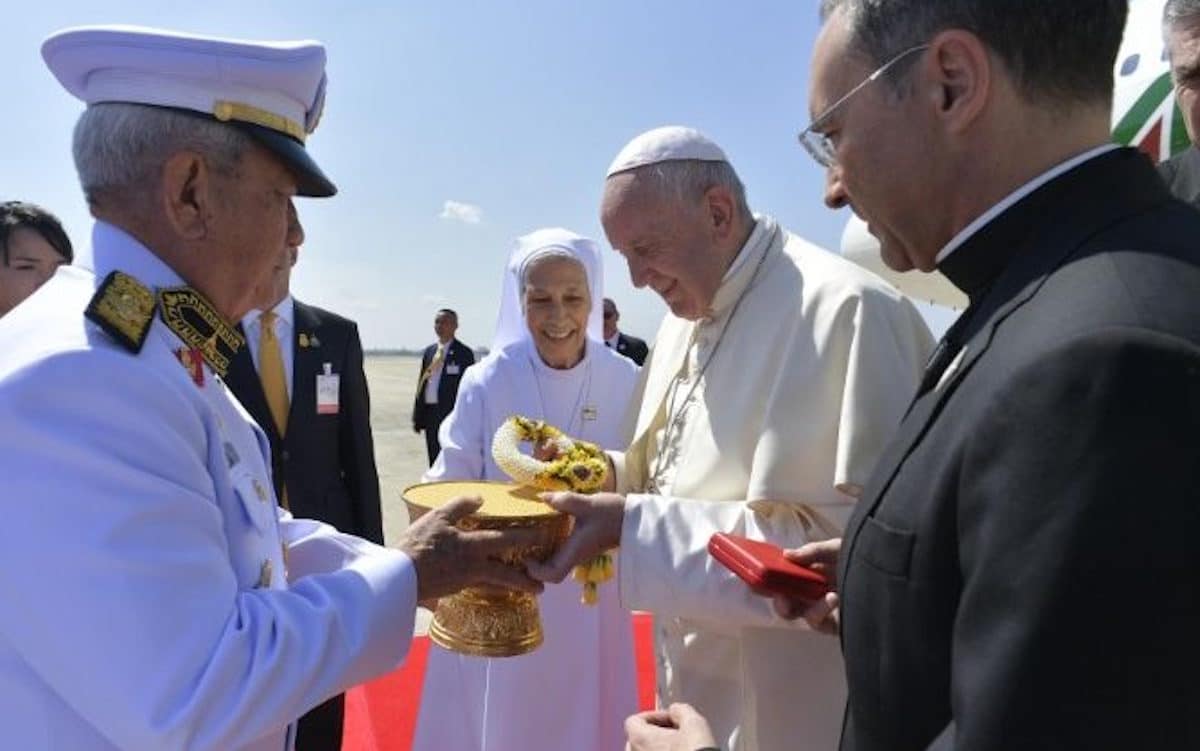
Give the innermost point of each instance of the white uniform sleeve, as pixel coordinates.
(119, 592)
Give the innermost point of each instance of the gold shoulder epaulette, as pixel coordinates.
(124, 308)
(194, 320)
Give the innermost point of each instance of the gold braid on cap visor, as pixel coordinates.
(248, 113)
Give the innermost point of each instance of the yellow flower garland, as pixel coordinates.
(578, 466)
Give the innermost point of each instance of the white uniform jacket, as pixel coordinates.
(146, 602)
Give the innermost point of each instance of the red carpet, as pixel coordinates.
(380, 715)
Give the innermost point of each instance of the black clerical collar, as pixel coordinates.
(978, 260)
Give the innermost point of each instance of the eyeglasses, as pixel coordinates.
(817, 144)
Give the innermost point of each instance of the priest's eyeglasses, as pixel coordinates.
(816, 143)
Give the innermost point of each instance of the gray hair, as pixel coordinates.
(1180, 13)
(546, 254)
(687, 180)
(1058, 52)
(119, 147)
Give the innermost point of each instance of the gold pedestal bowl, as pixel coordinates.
(492, 622)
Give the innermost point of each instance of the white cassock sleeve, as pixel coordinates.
(462, 456)
(118, 569)
(666, 568)
(883, 367)
(881, 346)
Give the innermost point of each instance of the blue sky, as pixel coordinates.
(512, 108)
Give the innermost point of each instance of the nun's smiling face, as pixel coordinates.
(557, 302)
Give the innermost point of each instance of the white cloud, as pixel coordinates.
(462, 212)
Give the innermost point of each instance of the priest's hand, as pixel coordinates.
(679, 728)
(598, 520)
(448, 558)
(822, 615)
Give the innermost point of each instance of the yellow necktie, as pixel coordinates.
(271, 372)
(433, 364)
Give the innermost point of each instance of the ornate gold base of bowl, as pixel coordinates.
(492, 622)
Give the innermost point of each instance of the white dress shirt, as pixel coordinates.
(285, 322)
(435, 378)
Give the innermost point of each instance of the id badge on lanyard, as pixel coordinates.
(327, 391)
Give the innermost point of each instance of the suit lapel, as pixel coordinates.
(1086, 201)
(307, 362)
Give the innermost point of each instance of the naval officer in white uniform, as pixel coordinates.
(154, 595)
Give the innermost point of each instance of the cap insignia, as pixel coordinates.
(247, 113)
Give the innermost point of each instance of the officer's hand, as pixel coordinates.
(598, 520)
(679, 728)
(822, 615)
(448, 558)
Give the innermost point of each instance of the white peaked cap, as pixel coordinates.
(667, 144)
(275, 91)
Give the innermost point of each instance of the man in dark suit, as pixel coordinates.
(1021, 572)
(1181, 31)
(442, 367)
(302, 379)
(630, 346)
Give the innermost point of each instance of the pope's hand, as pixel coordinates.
(598, 520)
(448, 558)
(822, 615)
(680, 728)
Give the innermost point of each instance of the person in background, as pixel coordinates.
(442, 366)
(301, 378)
(1181, 34)
(32, 247)
(547, 362)
(630, 346)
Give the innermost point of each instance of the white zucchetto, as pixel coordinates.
(666, 144)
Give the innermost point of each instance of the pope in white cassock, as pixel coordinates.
(548, 361)
(155, 596)
(771, 389)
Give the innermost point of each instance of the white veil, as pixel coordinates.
(510, 325)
